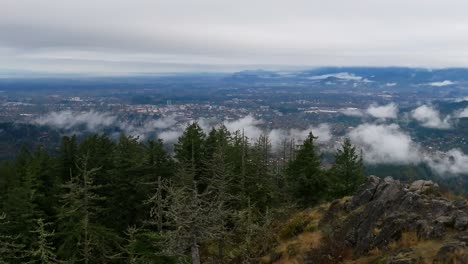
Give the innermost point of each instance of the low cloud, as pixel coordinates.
(342, 75)
(251, 128)
(388, 144)
(459, 100)
(351, 111)
(462, 113)
(384, 111)
(430, 117)
(248, 125)
(322, 132)
(385, 144)
(94, 121)
(69, 120)
(453, 161)
(172, 135)
(441, 84)
(143, 129)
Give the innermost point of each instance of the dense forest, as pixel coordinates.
(213, 200)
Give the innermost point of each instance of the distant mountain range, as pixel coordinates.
(388, 75)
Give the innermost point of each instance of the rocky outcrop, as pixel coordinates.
(382, 210)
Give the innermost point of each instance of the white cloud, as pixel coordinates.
(351, 111)
(441, 84)
(68, 120)
(322, 132)
(388, 144)
(463, 99)
(142, 130)
(429, 117)
(385, 144)
(247, 124)
(341, 75)
(384, 111)
(171, 136)
(462, 113)
(452, 162)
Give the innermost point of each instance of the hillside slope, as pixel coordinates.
(386, 221)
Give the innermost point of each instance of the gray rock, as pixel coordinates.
(422, 186)
(452, 252)
(383, 209)
(461, 220)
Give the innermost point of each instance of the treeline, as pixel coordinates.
(212, 201)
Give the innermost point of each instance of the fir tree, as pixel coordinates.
(82, 239)
(11, 250)
(306, 181)
(348, 170)
(43, 251)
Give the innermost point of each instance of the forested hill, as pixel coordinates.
(215, 200)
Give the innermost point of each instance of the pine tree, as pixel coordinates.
(82, 238)
(67, 157)
(260, 182)
(11, 250)
(43, 251)
(348, 170)
(220, 179)
(191, 215)
(306, 181)
(190, 147)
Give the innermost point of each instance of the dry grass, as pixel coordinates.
(407, 240)
(423, 250)
(298, 236)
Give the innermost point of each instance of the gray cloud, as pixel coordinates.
(155, 35)
(430, 117)
(383, 111)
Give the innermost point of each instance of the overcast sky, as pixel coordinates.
(116, 36)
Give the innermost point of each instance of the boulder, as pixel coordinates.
(452, 252)
(382, 210)
(422, 186)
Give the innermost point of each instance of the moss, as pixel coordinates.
(311, 227)
(292, 250)
(294, 227)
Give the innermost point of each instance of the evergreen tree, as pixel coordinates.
(10, 250)
(83, 240)
(190, 147)
(218, 192)
(43, 251)
(305, 177)
(260, 182)
(192, 214)
(124, 202)
(67, 157)
(348, 170)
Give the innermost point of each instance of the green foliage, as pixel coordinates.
(10, 249)
(215, 200)
(348, 171)
(306, 180)
(43, 250)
